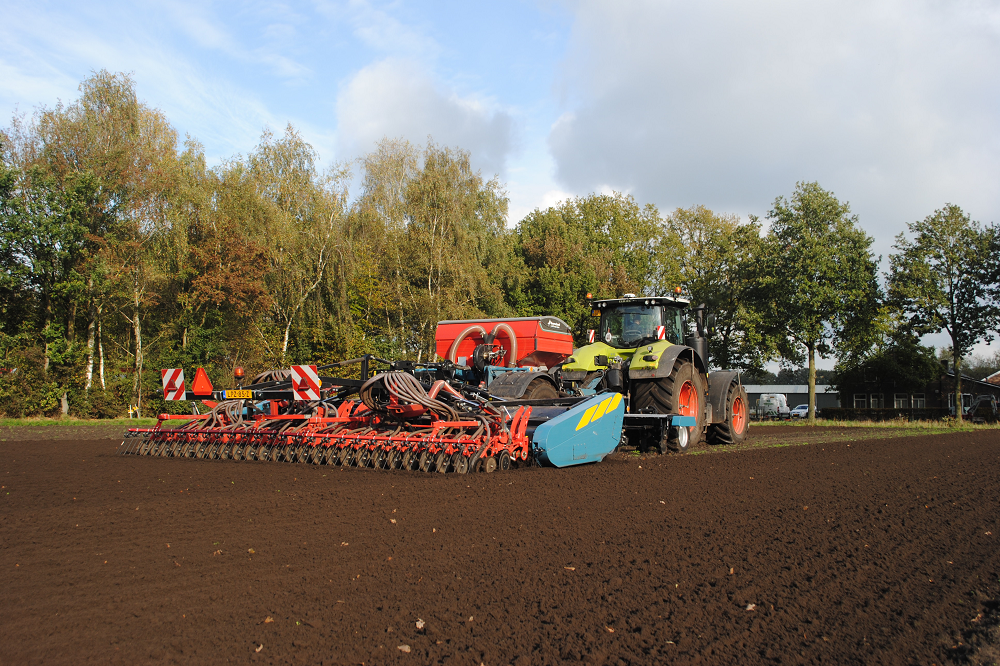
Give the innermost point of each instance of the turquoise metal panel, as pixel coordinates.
(586, 433)
(685, 421)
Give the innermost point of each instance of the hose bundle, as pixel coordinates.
(406, 389)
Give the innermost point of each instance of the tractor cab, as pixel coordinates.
(630, 322)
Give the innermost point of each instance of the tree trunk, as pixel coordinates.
(957, 359)
(284, 343)
(45, 332)
(100, 350)
(137, 329)
(91, 329)
(812, 383)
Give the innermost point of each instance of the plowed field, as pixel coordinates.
(877, 551)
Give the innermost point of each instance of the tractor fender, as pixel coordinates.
(665, 363)
(718, 390)
(511, 385)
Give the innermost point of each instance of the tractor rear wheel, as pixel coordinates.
(733, 429)
(682, 392)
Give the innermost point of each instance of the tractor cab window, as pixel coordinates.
(628, 326)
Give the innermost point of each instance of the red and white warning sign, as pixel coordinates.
(590, 335)
(305, 382)
(173, 383)
(661, 332)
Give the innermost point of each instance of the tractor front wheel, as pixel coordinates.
(681, 392)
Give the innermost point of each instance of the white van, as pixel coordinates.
(773, 406)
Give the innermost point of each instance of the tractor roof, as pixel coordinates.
(675, 301)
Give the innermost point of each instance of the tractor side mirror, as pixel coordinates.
(601, 360)
(710, 324)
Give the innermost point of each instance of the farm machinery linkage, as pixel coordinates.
(506, 393)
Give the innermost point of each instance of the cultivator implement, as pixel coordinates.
(395, 422)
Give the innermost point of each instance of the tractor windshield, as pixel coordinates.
(628, 326)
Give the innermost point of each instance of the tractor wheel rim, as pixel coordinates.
(739, 416)
(687, 400)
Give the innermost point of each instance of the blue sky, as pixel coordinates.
(894, 105)
(344, 73)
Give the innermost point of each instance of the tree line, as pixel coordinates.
(122, 252)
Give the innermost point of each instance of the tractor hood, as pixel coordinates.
(644, 357)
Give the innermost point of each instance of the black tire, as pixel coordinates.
(540, 388)
(734, 428)
(660, 396)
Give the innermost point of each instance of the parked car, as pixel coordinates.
(800, 412)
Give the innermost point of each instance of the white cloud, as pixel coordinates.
(209, 31)
(395, 98)
(384, 32)
(890, 104)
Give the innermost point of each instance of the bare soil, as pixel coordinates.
(881, 551)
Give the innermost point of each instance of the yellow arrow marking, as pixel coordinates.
(586, 418)
(601, 408)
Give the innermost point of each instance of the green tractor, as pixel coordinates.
(645, 349)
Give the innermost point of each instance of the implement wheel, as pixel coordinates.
(540, 389)
(460, 463)
(442, 462)
(424, 461)
(736, 425)
(503, 462)
(682, 392)
(490, 465)
(380, 457)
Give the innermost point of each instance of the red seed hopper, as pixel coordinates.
(514, 343)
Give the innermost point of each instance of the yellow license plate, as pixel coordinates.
(237, 394)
